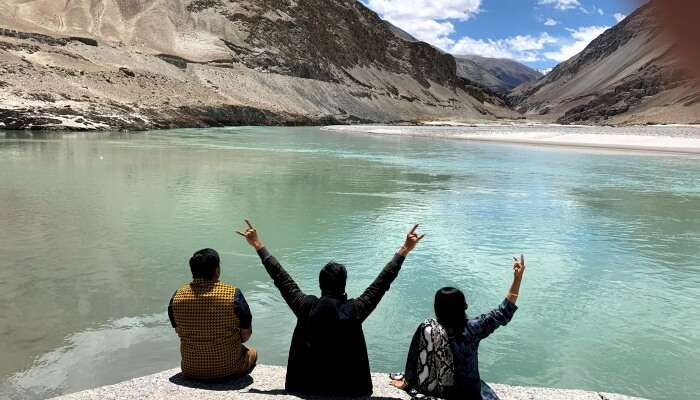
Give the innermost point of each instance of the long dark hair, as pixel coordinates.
(450, 308)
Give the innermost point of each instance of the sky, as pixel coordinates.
(538, 33)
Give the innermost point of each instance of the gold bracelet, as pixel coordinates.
(513, 294)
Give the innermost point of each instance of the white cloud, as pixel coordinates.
(619, 17)
(485, 48)
(431, 31)
(580, 38)
(528, 42)
(427, 20)
(600, 11)
(561, 4)
(433, 21)
(545, 71)
(523, 48)
(528, 48)
(426, 9)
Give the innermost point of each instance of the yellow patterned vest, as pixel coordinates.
(210, 338)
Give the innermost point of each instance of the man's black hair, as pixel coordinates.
(332, 279)
(450, 308)
(204, 263)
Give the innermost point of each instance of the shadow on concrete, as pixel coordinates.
(218, 385)
(282, 392)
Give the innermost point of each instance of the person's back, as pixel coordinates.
(212, 320)
(328, 354)
(465, 351)
(443, 358)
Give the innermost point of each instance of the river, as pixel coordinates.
(97, 230)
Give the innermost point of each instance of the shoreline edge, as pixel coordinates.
(267, 383)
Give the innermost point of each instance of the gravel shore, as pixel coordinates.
(682, 139)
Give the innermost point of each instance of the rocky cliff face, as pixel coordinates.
(628, 75)
(104, 64)
(497, 74)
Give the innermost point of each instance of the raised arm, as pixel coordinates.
(518, 270)
(368, 301)
(485, 324)
(288, 288)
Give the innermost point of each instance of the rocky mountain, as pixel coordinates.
(140, 64)
(498, 74)
(628, 75)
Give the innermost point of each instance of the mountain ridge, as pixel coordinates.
(498, 74)
(145, 64)
(627, 75)
(216, 62)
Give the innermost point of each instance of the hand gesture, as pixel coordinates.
(251, 236)
(519, 267)
(412, 240)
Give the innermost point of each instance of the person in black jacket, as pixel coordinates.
(328, 354)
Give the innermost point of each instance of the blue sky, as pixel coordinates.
(539, 33)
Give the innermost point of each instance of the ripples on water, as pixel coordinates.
(97, 231)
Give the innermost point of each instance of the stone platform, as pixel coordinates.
(267, 383)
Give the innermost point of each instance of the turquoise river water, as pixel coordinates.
(97, 229)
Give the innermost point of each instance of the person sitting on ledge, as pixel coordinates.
(213, 321)
(443, 358)
(328, 354)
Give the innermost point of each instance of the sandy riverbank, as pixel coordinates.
(662, 138)
(267, 383)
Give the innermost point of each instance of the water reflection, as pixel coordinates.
(94, 356)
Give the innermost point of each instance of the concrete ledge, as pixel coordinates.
(267, 383)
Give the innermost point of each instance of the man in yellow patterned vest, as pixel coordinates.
(213, 321)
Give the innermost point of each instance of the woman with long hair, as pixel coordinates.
(443, 359)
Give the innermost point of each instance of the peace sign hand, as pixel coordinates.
(412, 240)
(251, 236)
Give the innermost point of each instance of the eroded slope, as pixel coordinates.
(627, 75)
(100, 64)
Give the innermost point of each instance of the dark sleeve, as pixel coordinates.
(411, 371)
(485, 324)
(170, 311)
(288, 288)
(368, 301)
(240, 306)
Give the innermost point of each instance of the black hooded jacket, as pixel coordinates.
(328, 354)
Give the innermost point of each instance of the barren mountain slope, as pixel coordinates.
(100, 64)
(498, 74)
(627, 75)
